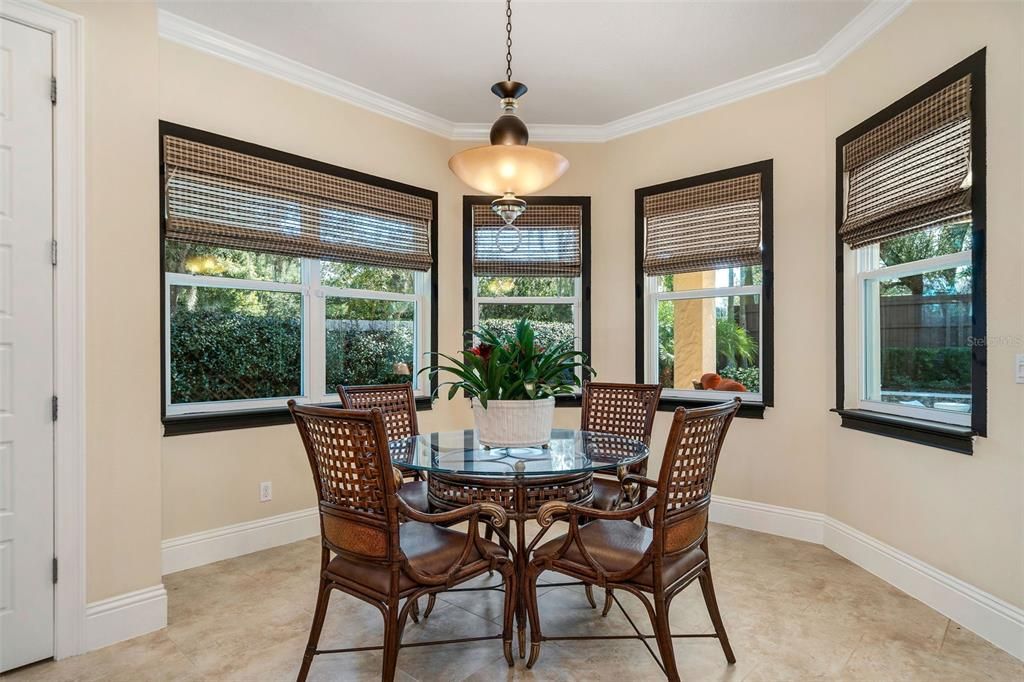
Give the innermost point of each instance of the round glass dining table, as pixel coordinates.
(461, 471)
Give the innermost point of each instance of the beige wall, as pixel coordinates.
(122, 304)
(211, 480)
(962, 514)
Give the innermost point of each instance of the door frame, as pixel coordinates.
(69, 313)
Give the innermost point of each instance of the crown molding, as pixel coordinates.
(199, 37)
(872, 19)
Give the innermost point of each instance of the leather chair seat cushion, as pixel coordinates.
(429, 549)
(619, 546)
(415, 495)
(606, 492)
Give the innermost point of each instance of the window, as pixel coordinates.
(704, 307)
(910, 227)
(273, 292)
(538, 270)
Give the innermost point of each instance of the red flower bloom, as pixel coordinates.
(482, 351)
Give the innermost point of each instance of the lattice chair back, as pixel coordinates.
(396, 401)
(621, 409)
(355, 484)
(687, 473)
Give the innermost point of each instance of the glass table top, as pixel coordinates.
(568, 452)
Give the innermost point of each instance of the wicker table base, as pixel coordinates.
(521, 497)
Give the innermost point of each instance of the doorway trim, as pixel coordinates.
(69, 314)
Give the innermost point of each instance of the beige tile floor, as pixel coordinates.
(794, 611)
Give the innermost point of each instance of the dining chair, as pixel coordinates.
(398, 403)
(623, 410)
(376, 558)
(660, 561)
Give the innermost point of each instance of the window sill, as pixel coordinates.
(748, 410)
(574, 400)
(185, 424)
(935, 434)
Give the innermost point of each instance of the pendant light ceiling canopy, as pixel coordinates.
(507, 166)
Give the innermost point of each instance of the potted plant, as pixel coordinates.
(512, 381)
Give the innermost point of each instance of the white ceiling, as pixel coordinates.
(586, 63)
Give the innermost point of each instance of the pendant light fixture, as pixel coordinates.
(507, 167)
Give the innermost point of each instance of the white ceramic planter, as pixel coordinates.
(514, 423)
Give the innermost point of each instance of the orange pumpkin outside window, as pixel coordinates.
(713, 382)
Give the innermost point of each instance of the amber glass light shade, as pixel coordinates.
(508, 169)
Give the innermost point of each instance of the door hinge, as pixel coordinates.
(53, 251)
(53, 90)
(54, 570)
(54, 408)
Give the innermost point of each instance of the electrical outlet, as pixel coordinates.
(1020, 369)
(266, 491)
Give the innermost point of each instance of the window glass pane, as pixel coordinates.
(924, 322)
(552, 322)
(723, 277)
(199, 259)
(234, 344)
(936, 241)
(354, 276)
(526, 286)
(369, 342)
(704, 336)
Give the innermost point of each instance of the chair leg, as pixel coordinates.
(533, 611)
(663, 633)
(322, 599)
(414, 611)
(590, 595)
(708, 588)
(431, 598)
(508, 618)
(392, 637)
(607, 602)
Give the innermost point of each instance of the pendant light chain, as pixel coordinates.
(508, 40)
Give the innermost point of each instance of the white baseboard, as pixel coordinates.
(768, 518)
(989, 616)
(997, 621)
(125, 616)
(208, 546)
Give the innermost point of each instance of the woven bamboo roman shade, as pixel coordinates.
(550, 243)
(705, 227)
(225, 198)
(911, 172)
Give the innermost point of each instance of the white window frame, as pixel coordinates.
(652, 297)
(576, 301)
(868, 361)
(314, 329)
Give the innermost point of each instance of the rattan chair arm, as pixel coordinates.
(548, 511)
(396, 473)
(497, 514)
(640, 480)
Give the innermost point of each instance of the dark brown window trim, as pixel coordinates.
(468, 201)
(748, 410)
(765, 168)
(202, 423)
(185, 424)
(935, 434)
(947, 437)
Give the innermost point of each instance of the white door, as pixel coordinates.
(26, 346)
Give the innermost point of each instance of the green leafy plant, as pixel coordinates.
(513, 366)
(735, 345)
